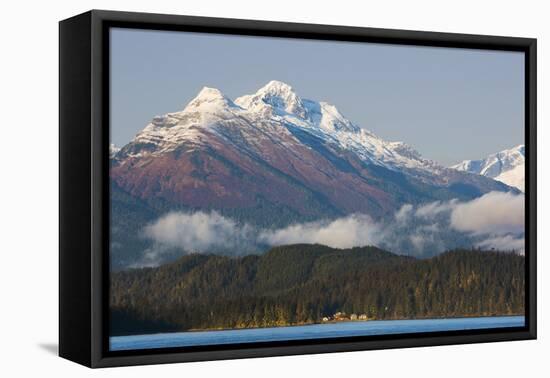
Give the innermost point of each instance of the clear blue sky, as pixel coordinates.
(450, 104)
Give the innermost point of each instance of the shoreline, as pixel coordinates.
(331, 322)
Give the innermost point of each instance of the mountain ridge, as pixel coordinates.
(279, 101)
(275, 113)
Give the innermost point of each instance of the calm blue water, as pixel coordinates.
(315, 331)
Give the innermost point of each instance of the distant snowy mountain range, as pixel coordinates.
(506, 166)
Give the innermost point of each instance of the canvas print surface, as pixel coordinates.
(271, 189)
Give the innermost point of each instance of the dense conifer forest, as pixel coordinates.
(303, 284)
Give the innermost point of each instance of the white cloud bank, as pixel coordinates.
(493, 213)
(495, 220)
(351, 231)
(498, 218)
(198, 232)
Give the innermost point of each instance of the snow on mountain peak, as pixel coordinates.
(280, 99)
(276, 94)
(276, 86)
(208, 97)
(507, 166)
(282, 94)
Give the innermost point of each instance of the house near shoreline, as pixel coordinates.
(342, 316)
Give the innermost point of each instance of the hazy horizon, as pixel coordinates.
(449, 104)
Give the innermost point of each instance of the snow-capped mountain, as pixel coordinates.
(293, 156)
(506, 166)
(275, 109)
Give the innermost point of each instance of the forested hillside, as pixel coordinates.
(300, 284)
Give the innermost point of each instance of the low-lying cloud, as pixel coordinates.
(493, 213)
(351, 231)
(435, 208)
(495, 220)
(199, 231)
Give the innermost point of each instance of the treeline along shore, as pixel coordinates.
(306, 284)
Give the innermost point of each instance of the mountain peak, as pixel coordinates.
(277, 87)
(209, 97)
(276, 94)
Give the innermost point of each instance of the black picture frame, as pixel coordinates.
(84, 189)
